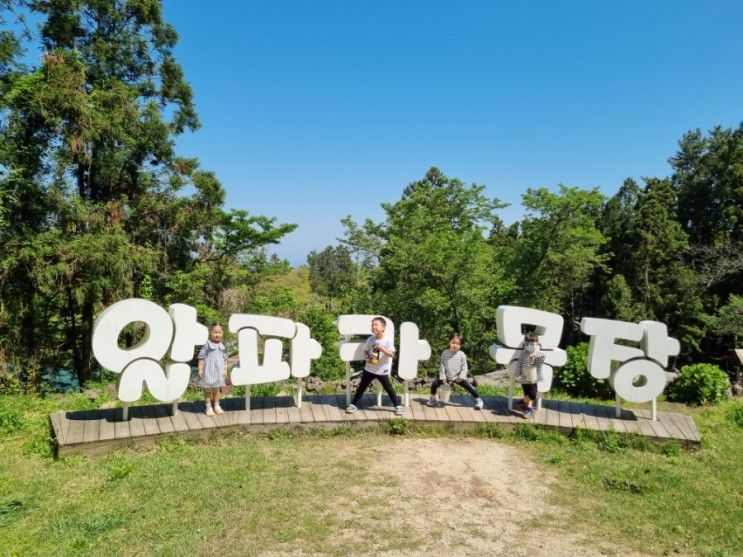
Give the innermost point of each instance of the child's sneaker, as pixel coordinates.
(529, 412)
(218, 409)
(209, 411)
(432, 402)
(399, 410)
(350, 409)
(479, 404)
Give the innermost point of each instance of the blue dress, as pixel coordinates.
(214, 355)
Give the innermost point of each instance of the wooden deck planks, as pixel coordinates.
(101, 428)
(192, 420)
(137, 418)
(92, 429)
(60, 425)
(673, 430)
(107, 424)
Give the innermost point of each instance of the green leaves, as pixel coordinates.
(91, 181)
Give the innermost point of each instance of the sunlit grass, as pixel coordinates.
(258, 492)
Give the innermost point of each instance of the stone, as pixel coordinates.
(91, 394)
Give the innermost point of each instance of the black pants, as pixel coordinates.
(461, 382)
(367, 378)
(530, 390)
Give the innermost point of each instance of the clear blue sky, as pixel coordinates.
(314, 110)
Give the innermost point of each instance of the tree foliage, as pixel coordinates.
(88, 169)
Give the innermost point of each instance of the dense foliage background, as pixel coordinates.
(96, 206)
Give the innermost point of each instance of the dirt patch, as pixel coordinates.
(449, 496)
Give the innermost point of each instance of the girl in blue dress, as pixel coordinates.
(212, 372)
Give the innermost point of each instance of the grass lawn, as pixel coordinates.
(251, 493)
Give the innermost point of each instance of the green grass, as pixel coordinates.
(262, 492)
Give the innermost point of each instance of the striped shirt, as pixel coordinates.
(453, 365)
(523, 367)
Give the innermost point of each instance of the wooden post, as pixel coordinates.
(125, 412)
(654, 410)
(617, 406)
(247, 397)
(174, 408)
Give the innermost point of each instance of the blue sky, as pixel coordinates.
(314, 110)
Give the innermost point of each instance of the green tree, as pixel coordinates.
(667, 288)
(332, 272)
(436, 266)
(558, 250)
(88, 169)
(708, 179)
(727, 323)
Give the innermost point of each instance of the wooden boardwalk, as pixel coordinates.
(96, 431)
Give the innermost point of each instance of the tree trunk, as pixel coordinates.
(86, 342)
(72, 334)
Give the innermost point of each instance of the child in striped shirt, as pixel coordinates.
(529, 372)
(454, 370)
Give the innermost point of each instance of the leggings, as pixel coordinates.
(367, 378)
(461, 382)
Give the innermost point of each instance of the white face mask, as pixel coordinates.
(530, 346)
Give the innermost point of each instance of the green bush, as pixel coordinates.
(322, 324)
(575, 379)
(699, 384)
(398, 426)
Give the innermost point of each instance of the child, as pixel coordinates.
(378, 354)
(212, 372)
(454, 370)
(529, 372)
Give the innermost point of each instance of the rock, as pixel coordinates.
(671, 376)
(91, 394)
(497, 378)
(737, 389)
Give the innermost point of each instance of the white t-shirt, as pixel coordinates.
(384, 367)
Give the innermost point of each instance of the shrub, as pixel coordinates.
(398, 426)
(324, 330)
(575, 379)
(700, 384)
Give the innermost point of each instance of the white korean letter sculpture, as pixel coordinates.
(548, 326)
(249, 372)
(140, 364)
(647, 362)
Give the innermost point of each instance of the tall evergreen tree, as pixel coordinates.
(558, 250)
(92, 178)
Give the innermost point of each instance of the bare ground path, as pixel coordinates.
(449, 496)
